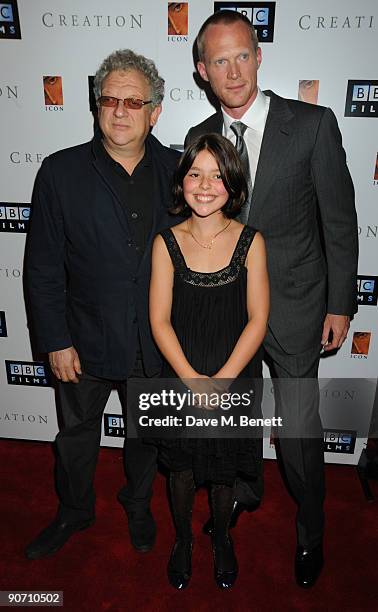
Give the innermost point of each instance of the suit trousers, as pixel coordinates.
(299, 443)
(78, 442)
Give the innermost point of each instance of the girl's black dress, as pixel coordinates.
(209, 312)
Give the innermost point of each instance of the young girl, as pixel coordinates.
(209, 302)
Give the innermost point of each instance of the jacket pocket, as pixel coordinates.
(309, 272)
(291, 170)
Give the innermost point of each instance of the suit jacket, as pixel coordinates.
(303, 204)
(86, 286)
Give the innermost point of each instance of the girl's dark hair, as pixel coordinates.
(230, 168)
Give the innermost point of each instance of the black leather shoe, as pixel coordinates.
(308, 565)
(237, 510)
(225, 564)
(179, 568)
(51, 539)
(142, 529)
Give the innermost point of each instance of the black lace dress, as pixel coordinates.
(209, 312)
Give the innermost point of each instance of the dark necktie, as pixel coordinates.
(239, 128)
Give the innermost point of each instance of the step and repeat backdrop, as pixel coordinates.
(322, 51)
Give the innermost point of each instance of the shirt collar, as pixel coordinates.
(102, 153)
(254, 117)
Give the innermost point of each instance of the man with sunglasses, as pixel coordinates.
(96, 208)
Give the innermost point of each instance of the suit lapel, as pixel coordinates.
(216, 124)
(161, 199)
(213, 124)
(274, 149)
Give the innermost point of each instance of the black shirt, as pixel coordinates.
(134, 191)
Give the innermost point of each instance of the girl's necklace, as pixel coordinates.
(210, 244)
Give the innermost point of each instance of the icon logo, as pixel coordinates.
(9, 20)
(114, 425)
(30, 373)
(367, 287)
(339, 441)
(361, 99)
(177, 19)
(14, 217)
(360, 345)
(53, 92)
(260, 14)
(3, 325)
(308, 91)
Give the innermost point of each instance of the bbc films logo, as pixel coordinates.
(53, 93)
(178, 22)
(30, 373)
(360, 345)
(260, 14)
(367, 287)
(14, 217)
(114, 425)
(3, 325)
(9, 20)
(361, 99)
(340, 441)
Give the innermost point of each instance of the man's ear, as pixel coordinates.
(202, 70)
(155, 115)
(258, 56)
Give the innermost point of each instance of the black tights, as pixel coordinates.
(182, 496)
(182, 489)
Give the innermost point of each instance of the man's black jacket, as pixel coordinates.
(85, 283)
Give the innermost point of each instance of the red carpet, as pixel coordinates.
(98, 569)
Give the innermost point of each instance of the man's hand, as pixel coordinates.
(339, 325)
(65, 364)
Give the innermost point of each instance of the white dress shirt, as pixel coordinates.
(254, 118)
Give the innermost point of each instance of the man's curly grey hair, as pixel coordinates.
(124, 60)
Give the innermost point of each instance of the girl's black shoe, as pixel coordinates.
(225, 564)
(179, 568)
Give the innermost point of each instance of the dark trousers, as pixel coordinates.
(77, 447)
(300, 448)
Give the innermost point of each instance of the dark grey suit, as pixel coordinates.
(303, 204)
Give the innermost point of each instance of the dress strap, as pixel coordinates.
(242, 246)
(174, 250)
